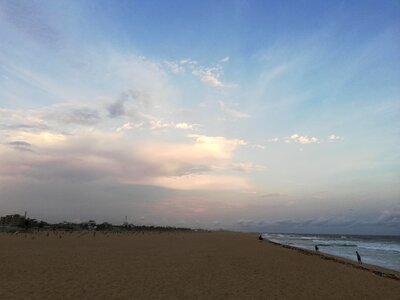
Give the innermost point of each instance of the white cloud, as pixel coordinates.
(150, 122)
(218, 144)
(302, 139)
(307, 140)
(186, 126)
(274, 140)
(188, 61)
(334, 137)
(202, 182)
(174, 67)
(225, 59)
(128, 126)
(210, 76)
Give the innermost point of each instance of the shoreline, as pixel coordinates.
(375, 269)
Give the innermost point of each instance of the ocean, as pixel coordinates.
(381, 251)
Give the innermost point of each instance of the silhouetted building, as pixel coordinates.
(90, 225)
(104, 226)
(13, 220)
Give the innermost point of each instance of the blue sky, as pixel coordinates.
(250, 115)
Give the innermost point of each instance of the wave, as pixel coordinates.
(342, 241)
(308, 238)
(337, 245)
(384, 247)
(360, 244)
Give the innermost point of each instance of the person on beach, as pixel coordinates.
(260, 238)
(316, 248)
(358, 257)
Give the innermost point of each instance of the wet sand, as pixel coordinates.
(218, 265)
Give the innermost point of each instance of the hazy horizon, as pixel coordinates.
(244, 115)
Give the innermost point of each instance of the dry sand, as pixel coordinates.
(175, 266)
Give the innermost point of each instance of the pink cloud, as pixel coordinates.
(198, 164)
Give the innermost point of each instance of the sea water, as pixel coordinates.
(382, 251)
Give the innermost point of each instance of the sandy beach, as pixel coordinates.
(217, 265)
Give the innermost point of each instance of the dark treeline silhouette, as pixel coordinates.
(33, 224)
(160, 228)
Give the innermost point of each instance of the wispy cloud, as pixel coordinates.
(274, 140)
(258, 146)
(389, 217)
(245, 167)
(323, 224)
(29, 19)
(232, 112)
(70, 114)
(21, 145)
(274, 73)
(15, 119)
(175, 67)
(273, 195)
(210, 76)
(145, 121)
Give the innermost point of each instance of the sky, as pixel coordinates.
(269, 116)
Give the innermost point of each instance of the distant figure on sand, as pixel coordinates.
(316, 248)
(260, 237)
(358, 257)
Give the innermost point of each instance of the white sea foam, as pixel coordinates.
(385, 247)
(379, 250)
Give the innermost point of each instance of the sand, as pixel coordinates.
(218, 265)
